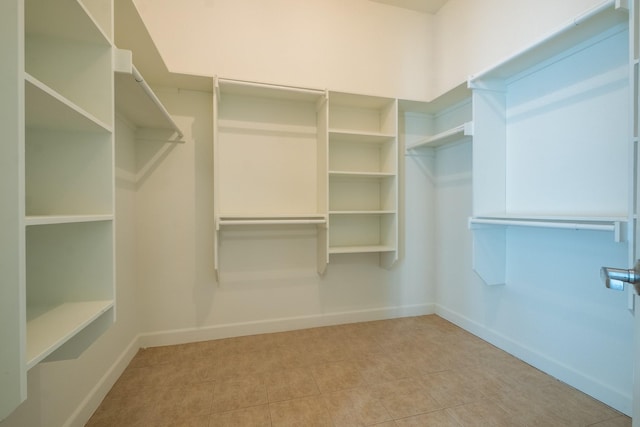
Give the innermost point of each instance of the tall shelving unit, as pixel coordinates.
(59, 225)
(68, 176)
(562, 102)
(363, 175)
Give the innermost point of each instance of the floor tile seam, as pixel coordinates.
(430, 412)
(244, 408)
(620, 415)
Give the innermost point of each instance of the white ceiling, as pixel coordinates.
(426, 6)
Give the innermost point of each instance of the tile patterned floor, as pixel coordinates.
(417, 371)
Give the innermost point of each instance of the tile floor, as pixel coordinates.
(417, 371)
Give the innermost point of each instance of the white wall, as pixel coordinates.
(353, 46)
(69, 391)
(471, 35)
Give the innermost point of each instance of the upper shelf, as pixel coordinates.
(46, 108)
(68, 20)
(136, 100)
(566, 39)
(446, 137)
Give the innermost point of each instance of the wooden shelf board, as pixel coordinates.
(65, 219)
(360, 249)
(141, 107)
(67, 20)
(368, 175)
(45, 108)
(363, 212)
(360, 136)
(48, 328)
(444, 138)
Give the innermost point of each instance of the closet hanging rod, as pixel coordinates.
(154, 98)
(270, 221)
(543, 224)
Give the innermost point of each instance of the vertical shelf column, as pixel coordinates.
(363, 176)
(69, 177)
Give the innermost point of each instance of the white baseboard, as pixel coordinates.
(181, 336)
(579, 380)
(90, 403)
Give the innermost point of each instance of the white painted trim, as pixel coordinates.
(580, 380)
(182, 336)
(87, 407)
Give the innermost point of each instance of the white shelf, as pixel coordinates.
(443, 138)
(360, 249)
(68, 20)
(366, 175)
(362, 212)
(46, 108)
(65, 219)
(49, 328)
(360, 136)
(135, 99)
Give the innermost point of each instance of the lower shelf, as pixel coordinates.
(360, 249)
(48, 328)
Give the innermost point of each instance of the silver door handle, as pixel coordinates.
(615, 278)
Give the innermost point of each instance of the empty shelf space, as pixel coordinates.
(444, 138)
(48, 328)
(45, 108)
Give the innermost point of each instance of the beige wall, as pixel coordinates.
(353, 46)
